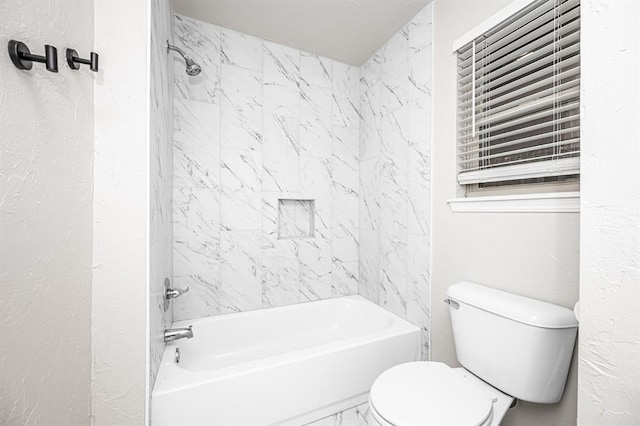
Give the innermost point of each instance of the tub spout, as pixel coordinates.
(172, 334)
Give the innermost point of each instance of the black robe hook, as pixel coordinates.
(74, 60)
(23, 59)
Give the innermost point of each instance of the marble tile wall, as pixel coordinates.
(395, 162)
(262, 122)
(161, 172)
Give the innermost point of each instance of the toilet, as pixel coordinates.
(510, 347)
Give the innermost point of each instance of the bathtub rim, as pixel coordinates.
(172, 378)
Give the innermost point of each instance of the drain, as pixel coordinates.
(177, 357)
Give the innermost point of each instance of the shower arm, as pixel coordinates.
(177, 49)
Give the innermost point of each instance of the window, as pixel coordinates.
(519, 99)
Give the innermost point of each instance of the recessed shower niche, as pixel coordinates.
(295, 218)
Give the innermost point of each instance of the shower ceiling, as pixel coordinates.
(346, 30)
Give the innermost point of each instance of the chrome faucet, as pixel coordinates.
(171, 293)
(171, 334)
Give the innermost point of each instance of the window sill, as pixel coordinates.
(556, 202)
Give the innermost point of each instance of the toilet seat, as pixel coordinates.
(428, 393)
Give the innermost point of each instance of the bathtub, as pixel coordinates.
(288, 366)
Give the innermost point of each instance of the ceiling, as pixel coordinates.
(346, 30)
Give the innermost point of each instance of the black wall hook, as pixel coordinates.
(74, 60)
(23, 59)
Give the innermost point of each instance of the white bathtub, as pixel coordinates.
(288, 366)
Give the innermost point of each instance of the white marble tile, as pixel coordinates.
(283, 101)
(241, 269)
(356, 416)
(418, 302)
(196, 150)
(161, 183)
(315, 70)
(419, 124)
(345, 178)
(196, 231)
(394, 183)
(305, 218)
(392, 293)
(346, 95)
(369, 194)
(204, 298)
(315, 104)
(345, 147)
(344, 277)
(393, 218)
(394, 250)
(314, 255)
(370, 123)
(281, 153)
(315, 122)
(369, 264)
(281, 78)
(161, 189)
(420, 27)
(201, 42)
(345, 224)
(241, 50)
(241, 108)
(371, 70)
(316, 183)
(315, 138)
(394, 129)
(345, 228)
(420, 68)
(281, 65)
(420, 54)
(419, 193)
(281, 272)
(270, 214)
(395, 73)
(240, 194)
(287, 225)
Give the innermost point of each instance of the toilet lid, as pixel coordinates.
(428, 393)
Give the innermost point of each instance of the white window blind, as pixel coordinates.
(519, 97)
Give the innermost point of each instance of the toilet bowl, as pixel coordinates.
(432, 393)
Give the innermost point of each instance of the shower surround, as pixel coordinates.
(160, 172)
(263, 122)
(395, 174)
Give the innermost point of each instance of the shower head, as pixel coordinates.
(191, 67)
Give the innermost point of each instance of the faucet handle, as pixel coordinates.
(172, 293)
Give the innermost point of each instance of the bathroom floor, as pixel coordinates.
(356, 416)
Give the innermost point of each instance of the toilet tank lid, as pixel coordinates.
(517, 308)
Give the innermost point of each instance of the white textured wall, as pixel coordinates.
(121, 213)
(161, 179)
(609, 374)
(46, 146)
(534, 255)
(263, 121)
(395, 174)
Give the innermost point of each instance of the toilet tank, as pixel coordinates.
(519, 345)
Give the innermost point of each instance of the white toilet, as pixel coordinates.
(509, 346)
